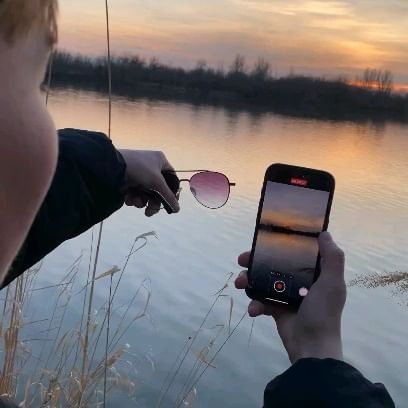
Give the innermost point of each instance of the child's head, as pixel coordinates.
(28, 143)
(28, 31)
(18, 17)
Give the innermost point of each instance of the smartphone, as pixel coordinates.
(293, 210)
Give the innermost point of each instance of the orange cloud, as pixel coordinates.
(327, 37)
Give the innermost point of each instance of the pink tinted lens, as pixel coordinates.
(210, 189)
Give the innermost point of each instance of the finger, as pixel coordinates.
(280, 313)
(149, 211)
(153, 207)
(135, 201)
(256, 308)
(243, 259)
(128, 200)
(173, 200)
(333, 259)
(241, 282)
(166, 192)
(139, 202)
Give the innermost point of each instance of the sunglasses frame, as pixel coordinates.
(230, 184)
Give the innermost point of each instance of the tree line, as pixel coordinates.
(377, 79)
(249, 86)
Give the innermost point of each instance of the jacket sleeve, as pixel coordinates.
(86, 189)
(324, 383)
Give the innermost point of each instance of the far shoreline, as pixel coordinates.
(296, 96)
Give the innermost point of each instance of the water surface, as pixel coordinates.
(198, 247)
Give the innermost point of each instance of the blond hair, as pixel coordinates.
(18, 17)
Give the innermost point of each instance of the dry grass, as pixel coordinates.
(397, 280)
(69, 367)
(179, 388)
(64, 365)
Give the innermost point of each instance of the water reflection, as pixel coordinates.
(198, 248)
(275, 254)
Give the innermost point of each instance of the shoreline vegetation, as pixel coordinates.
(369, 97)
(287, 230)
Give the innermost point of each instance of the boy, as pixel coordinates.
(28, 143)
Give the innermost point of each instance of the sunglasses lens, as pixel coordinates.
(210, 189)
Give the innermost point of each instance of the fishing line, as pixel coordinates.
(109, 135)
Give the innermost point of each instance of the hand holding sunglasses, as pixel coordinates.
(144, 173)
(211, 189)
(151, 181)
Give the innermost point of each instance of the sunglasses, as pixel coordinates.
(210, 188)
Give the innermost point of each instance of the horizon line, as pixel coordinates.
(398, 87)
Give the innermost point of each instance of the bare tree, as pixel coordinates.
(238, 65)
(154, 63)
(262, 69)
(385, 82)
(201, 65)
(369, 78)
(382, 80)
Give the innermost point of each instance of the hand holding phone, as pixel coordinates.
(294, 209)
(314, 330)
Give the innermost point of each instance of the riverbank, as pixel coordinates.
(237, 88)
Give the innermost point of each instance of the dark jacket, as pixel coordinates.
(87, 188)
(328, 383)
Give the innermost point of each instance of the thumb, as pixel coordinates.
(166, 192)
(332, 259)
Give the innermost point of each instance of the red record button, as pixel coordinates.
(279, 286)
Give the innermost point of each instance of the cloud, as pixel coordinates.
(319, 7)
(294, 207)
(312, 36)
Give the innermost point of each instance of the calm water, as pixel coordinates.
(198, 247)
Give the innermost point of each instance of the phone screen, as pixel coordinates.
(286, 254)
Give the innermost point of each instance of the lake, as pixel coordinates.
(198, 247)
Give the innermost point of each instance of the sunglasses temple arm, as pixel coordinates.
(232, 184)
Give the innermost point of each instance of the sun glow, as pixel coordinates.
(331, 38)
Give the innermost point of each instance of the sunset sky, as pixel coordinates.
(305, 36)
(298, 208)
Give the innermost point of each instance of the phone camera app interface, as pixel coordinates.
(286, 248)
